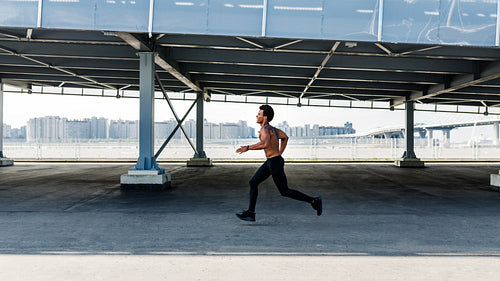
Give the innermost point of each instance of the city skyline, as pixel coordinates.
(19, 108)
(57, 128)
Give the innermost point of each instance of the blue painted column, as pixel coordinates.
(409, 159)
(200, 158)
(200, 153)
(409, 131)
(146, 160)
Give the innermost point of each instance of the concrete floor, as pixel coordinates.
(380, 222)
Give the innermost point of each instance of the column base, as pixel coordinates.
(409, 163)
(6, 162)
(495, 182)
(199, 162)
(145, 180)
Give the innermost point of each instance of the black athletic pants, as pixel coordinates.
(274, 166)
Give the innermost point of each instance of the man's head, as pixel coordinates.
(266, 114)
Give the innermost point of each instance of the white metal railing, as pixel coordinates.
(298, 149)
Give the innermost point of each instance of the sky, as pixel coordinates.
(19, 108)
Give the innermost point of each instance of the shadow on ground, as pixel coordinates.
(372, 209)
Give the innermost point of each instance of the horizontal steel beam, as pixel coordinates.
(239, 79)
(306, 73)
(490, 72)
(160, 59)
(412, 65)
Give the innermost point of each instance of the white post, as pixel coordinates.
(430, 136)
(495, 133)
(3, 161)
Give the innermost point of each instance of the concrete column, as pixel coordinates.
(409, 159)
(446, 136)
(430, 137)
(495, 133)
(3, 161)
(200, 158)
(146, 174)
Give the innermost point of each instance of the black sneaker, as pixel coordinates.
(318, 205)
(246, 216)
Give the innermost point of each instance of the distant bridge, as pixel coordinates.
(427, 130)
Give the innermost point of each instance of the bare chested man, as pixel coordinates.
(274, 166)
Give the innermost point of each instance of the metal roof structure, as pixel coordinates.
(305, 51)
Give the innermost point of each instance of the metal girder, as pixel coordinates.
(165, 95)
(320, 68)
(63, 49)
(467, 97)
(260, 46)
(206, 79)
(490, 72)
(173, 86)
(305, 73)
(73, 63)
(15, 53)
(383, 48)
(296, 91)
(177, 127)
(322, 47)
(411, 65)
(483, 90)
(160, 59)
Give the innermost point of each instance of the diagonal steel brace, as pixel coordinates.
(177, 127)
(173, 110)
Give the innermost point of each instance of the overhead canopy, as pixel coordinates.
(301, 50)
(306, 69)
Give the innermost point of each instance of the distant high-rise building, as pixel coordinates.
(7, 131)
(46, 129)
(78, 130)
(123, 129)
(99, 128)
(165, 128)
(55, 129)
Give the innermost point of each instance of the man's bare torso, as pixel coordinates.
(273, 147)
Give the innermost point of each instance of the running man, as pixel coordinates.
(274, 166)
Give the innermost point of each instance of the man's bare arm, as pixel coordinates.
(284, 140)
(265, 138)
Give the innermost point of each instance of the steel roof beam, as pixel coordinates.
(410, 65)
(160, 59)
(490, 72)
(231, 79)
(320, 68)
(14, 53)
(297, 91)
(64, 49)
(301, 73)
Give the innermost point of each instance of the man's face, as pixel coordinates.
(260, 117)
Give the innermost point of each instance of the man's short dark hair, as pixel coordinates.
(268, 111)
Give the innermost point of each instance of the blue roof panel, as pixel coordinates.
(458, 22)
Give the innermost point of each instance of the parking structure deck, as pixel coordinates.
(371, 211)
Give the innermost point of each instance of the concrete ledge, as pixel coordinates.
(143, 172)
(199, 162)
(495, 181)
(6, 162)
(409, 163)
(145, 181)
